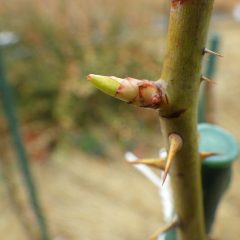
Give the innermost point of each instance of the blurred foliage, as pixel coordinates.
(88, 142)
(65, 42)
(62, 41)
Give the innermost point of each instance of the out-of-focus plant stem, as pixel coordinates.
(23, 163)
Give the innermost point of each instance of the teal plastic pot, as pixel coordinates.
(216, 170)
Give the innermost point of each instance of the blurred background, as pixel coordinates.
(75, 136)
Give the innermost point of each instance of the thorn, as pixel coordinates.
(175, 145)
(206, 50)
(172, 225)
(157, 163)
(203, 78)
(204, 155)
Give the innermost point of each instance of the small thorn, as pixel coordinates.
(206, 50)
(168, 227)
(157, 163)
(175, 145)
(204, 155)
(203, 78)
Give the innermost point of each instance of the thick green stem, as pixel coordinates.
(189, 20)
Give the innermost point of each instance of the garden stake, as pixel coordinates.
(9, 110)
(9, 177)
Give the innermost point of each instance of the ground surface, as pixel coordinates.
(87, 199)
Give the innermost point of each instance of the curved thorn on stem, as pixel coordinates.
(175, 145)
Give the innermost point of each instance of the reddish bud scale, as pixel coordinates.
(147, 94)
(176, 3)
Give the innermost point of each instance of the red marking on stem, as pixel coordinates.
(176, 3)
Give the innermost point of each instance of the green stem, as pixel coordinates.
(188, 27)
